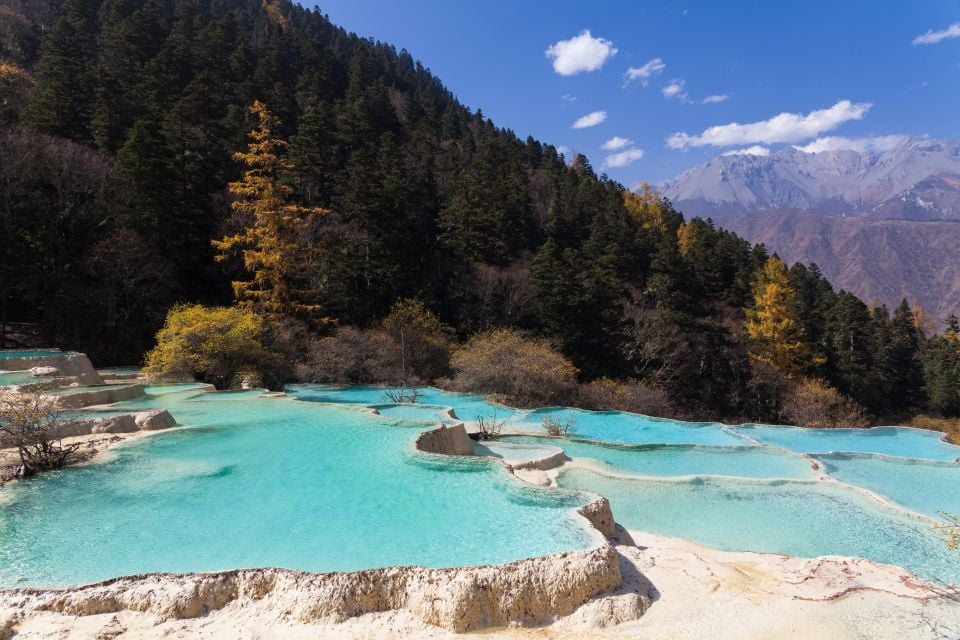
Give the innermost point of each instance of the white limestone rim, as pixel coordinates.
(883, 502)
(551, 457)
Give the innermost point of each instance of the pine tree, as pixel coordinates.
(899, 360)
(275, 241)
(64, 103)
(773, 328)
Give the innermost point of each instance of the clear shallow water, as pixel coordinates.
(272, 482)
(254, 469)
(416, 412)
(120, 371)
(514, 452)
(632, 428)
(683, 460)
(794, 518)
(174, 387)
(15, 378)
(26, 353)
(923, 486)
(467, 406)
(892, 441)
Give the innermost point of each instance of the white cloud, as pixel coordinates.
(837, 143)
(590, 120)
(676, 89)
(786, 127)
(650, 69)
(568, 98)
(933, 37)
(580, 53)
(622, 159)
(616, 142)
(714, 99)
(755, 150)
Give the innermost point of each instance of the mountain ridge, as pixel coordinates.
(882, 260)
(915, 179)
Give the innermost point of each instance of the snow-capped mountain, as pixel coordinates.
(917, 179)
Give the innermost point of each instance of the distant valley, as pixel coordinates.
(883, 225)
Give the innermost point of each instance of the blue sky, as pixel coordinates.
(858, 72)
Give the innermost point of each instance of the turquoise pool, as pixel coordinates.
(806, 519)
(430, 413)
(468, 406)
(273, 482)
(15, 378)
(28, 353)
(683, 460)
(173, 387)
(921, 485)
(632, 428)
(256, 481)
(891, 441)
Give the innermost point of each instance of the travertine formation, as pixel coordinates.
(149, 420)
(61, 364)
(525, 592)
(451, 441)
(103, 394)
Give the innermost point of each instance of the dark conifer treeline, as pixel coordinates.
(120, 119)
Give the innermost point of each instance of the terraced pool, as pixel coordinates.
(330, 486)
(272, 482)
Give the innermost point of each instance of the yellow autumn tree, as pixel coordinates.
(648, 207)
(274, 242)
(776, 335)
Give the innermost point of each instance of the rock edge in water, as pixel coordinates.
(524, 592)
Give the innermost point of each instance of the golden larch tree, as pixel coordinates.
(648, 207)
(275, 242)
(776, 335)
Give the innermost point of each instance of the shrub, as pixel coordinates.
(948, 426)
(352, 356)
(489, 428)
(425, 341)
(557, 427)
(523, 371)
(29, 423)
(813, 403)
(228, 347)
(627, 395)
(402, 395)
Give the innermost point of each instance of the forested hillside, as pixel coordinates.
(120, 122)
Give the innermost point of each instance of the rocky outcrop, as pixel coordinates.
(451, 441)
(105, 394)
(152, 420)
(600, 516)
(525, 592)
(549, 460)
(64, 364)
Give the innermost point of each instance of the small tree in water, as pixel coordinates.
(29, 423)
(559, 427)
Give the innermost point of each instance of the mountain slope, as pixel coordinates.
(882, 260)
(914, 180)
